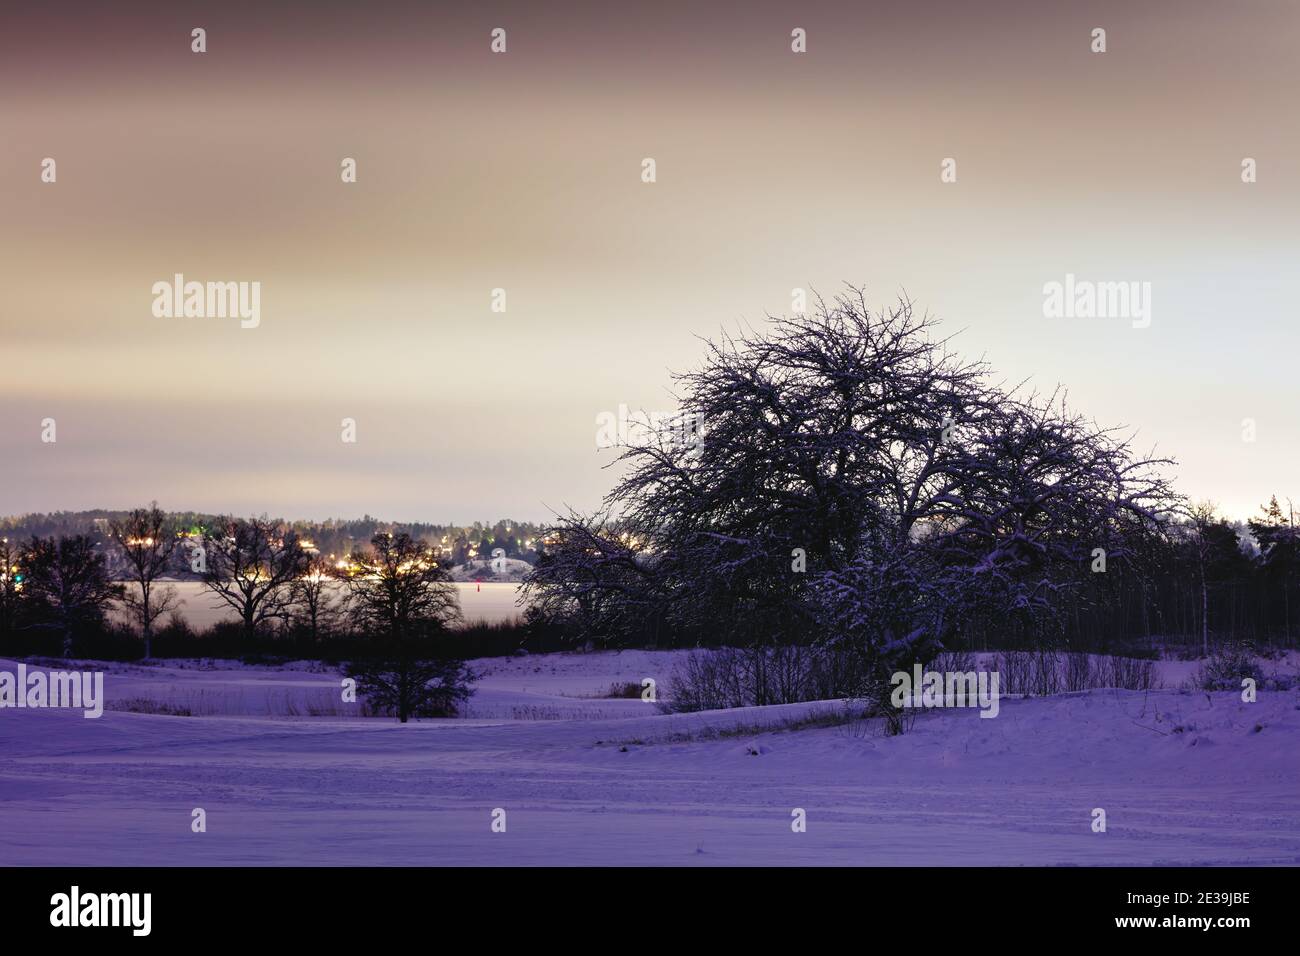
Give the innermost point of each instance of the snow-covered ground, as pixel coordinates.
(1184, 777)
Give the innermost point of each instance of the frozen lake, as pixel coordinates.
(492, 602)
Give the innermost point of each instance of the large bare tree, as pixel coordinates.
(852, 478)
(251, 564)
(832, 436)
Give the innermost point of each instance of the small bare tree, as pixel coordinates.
(147, 538)
(403, 597)
(1202, 518)
(406, 685)
(314, 600)
(399, 589)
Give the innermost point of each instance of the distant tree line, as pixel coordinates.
(389, 607)
(458, 544)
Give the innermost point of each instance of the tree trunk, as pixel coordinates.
(1205, 620)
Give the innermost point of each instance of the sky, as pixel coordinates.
(522, 171)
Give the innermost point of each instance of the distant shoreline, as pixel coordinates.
(490, 601)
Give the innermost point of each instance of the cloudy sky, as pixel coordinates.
(522, 171)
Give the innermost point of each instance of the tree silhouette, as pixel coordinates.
(147, 538)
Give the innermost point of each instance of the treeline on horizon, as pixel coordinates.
(332, 536)
(111, 596)
(1206, 580)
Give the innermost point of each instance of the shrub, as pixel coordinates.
(1226, 666)
(1126, 673)
(1042, 673)
(409, 685)
(731, 677)
(623, 690)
